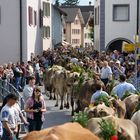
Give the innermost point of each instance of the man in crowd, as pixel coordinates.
(98, 93)
(8, 119)
(123, 86)
(28, 89)
(106, 73)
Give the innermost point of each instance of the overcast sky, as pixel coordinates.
(83, 2)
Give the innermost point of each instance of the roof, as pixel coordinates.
(86, 8)
(82, 8)
(71, 13)
(60, 10)
(85, 16)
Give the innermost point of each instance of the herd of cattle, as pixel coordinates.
(61, 83)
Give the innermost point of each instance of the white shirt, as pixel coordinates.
(122, 88)
(97, 94)
(105, 72)
(8, 115)
(27, 92)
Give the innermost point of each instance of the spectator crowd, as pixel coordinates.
(106, 66)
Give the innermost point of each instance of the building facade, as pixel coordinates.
(114, 23)
(25, 27)
(58, 24)
(74, 28)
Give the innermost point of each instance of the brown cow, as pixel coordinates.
(131, 103)
(100, 110)
(68, 131)
(136, 119)
(126, 128)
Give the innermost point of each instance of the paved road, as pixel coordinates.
(54, 116)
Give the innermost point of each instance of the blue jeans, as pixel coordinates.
(17, 82)
(34, 125)
(5, 135)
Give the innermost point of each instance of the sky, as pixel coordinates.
(83, 2)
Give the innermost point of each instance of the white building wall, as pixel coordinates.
(9, 31)
(76, 36)
(47, 42)
(119, 29)
(56, 26)
(87, 39)
(97, 27)
(34, 38)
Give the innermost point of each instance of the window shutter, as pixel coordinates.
(43, 8)
(35, 18)
(30, 14)
(40, 18)
(48, 31)
(48, 9)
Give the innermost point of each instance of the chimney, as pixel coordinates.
(89, 2)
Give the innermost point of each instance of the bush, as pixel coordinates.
(81, 118)
(107, 129)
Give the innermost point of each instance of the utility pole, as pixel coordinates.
(138, 10)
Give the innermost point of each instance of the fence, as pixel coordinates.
(7, 88)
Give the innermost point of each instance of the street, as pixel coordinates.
(54, 116)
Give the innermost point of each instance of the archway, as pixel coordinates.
(116, 44)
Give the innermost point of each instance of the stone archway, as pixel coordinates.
(116, 44)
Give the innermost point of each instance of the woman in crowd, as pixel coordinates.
(35, 108)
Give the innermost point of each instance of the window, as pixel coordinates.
(76, 21)
(30, 15)
(121, 12)
(96, 16)
(46, 9)
(35, 18)
(75, 41)
(46, 32)
(75, 31)
(64, 31)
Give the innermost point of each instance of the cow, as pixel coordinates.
(67, 131)
(136, 119)
(131, 103)
(83, 96)
(119, 107)
(49, 75)
(125, 128)
(100, 110)
(115, 108)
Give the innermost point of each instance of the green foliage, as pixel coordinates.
(57, 3)
(90, 73)
(80, 80)
(107, 129)
(81, 118)
(102, 99)
(76, 68)
(70, 2)
(126, 94)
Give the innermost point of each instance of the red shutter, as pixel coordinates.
(30, 14)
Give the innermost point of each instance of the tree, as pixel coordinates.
(57, 3)
(91, 30)
(70, 2)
